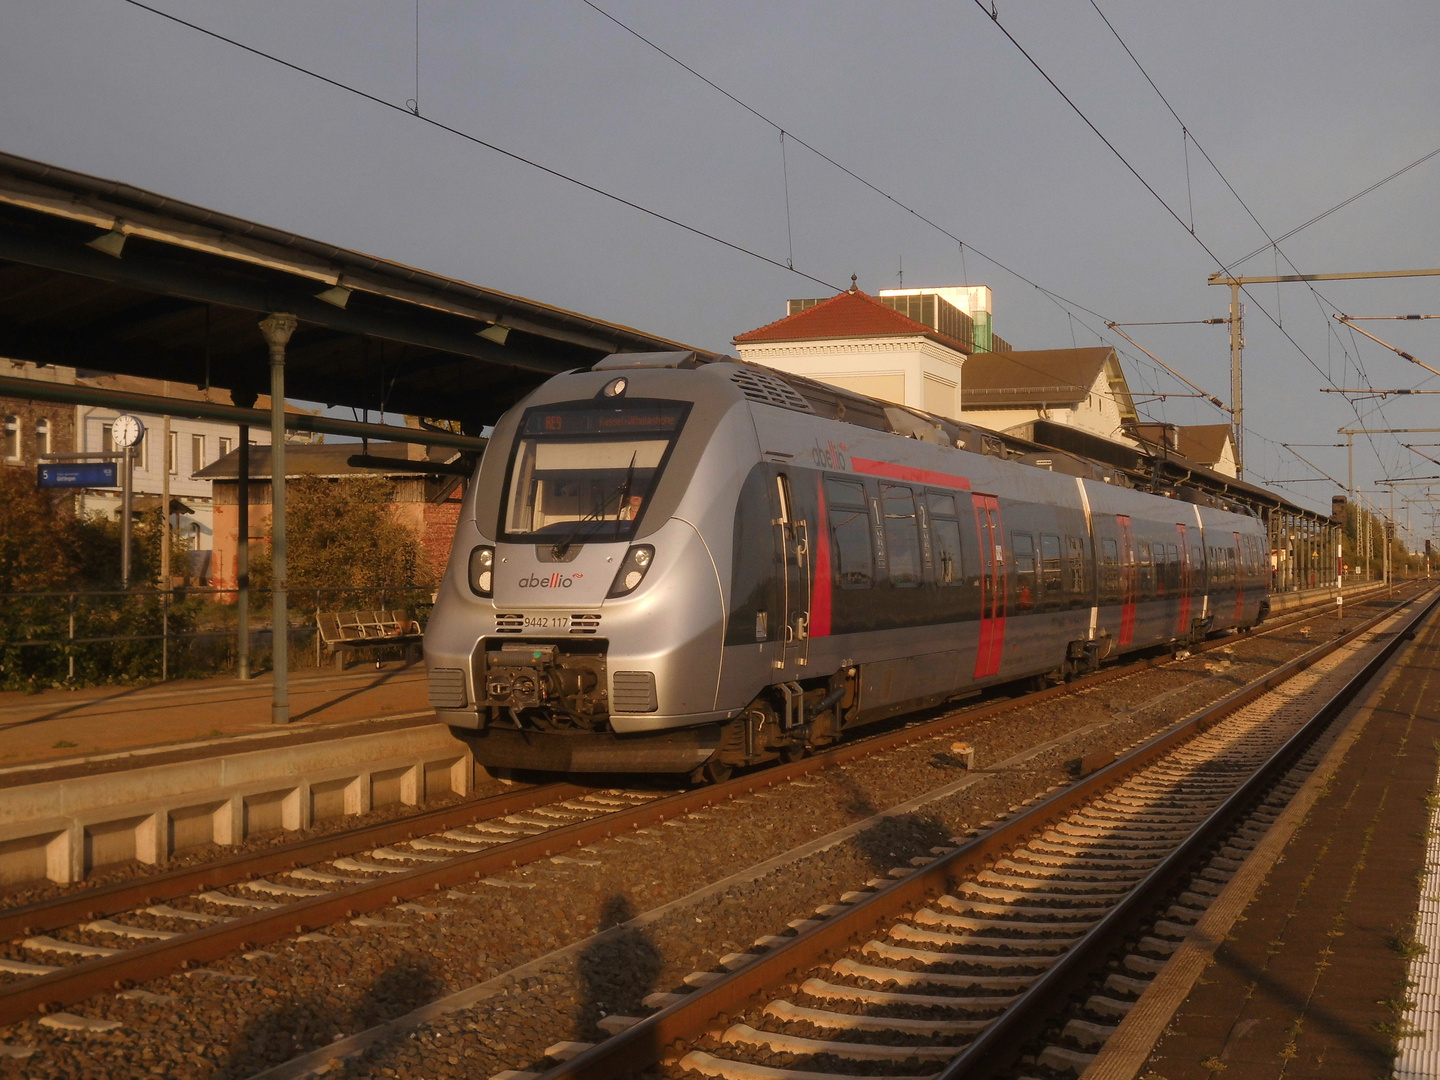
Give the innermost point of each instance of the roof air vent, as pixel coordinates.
(768, 390)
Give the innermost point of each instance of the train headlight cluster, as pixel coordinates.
(482, 571)
(632, 570)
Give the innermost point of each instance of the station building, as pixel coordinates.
(936, 350)
(1211, 445)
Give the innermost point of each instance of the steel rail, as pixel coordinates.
(88, 904)
(79, 981)
(672, 1027)
(995, 1047)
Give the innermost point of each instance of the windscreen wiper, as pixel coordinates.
(596, 516)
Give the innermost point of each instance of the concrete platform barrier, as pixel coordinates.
(1283, 602)
(64, 829)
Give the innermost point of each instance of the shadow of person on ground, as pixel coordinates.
(894, 841)
(298, 1025)
(617, 971)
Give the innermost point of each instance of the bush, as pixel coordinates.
(344, 535)
(47, 558)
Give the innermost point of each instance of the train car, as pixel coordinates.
(670, 565)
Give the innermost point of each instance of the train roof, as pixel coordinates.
(1052, 446)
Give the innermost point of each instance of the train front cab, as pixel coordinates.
(594, 642)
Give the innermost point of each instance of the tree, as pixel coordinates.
(37, 543)
(343, 534)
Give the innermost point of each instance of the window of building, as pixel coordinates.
(197, 453)
(172, 453)
(226, 445)
(42, 436)
(12, 438)
(107, 438)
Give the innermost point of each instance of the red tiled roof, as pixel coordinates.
(850, 314)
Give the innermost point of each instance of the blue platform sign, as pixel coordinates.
(80, 474)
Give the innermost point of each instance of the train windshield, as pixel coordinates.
(584, 472)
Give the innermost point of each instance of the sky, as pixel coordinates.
(1074, 216)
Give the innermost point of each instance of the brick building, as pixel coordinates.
(429, 506)
(31, 428)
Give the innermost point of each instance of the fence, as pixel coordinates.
(98, 636)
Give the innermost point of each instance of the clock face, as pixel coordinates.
(127, 431)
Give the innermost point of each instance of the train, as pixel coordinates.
(674, 564)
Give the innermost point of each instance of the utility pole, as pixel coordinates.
(1350, 434)
(1237, 331)
(1237, 383)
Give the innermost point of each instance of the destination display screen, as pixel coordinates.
(630, 417)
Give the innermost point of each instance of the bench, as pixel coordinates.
(345, 633)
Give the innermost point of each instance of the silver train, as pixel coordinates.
(670, 565)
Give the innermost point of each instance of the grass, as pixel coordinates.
(1407, 946)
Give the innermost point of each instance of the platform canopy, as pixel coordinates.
(100, 275)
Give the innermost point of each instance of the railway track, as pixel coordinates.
(71, 947)
(950, 968)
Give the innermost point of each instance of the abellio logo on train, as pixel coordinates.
(831, 455)
(553, 581)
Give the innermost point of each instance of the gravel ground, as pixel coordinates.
(240, 1016)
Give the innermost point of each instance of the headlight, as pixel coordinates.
(482, 571)
(632, 570)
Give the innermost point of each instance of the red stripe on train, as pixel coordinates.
(905, 472)
(821, 601)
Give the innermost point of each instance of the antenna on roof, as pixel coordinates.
(901, 275)
(853, 279)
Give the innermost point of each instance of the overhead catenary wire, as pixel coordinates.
(1065, 304)
(449, 129)
(901, 204)
(1338, 206)
(1272, 241)
(994, 18)
(1069, 305)
(338, 84)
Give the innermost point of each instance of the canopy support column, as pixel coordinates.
(277, 329)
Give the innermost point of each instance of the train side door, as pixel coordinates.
(1182, 624)
(1129, 580)
(992, 585)
(796, 583)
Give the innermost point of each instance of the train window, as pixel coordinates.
(902, 537)
(941, 505)
(850, 531)
(1077, 582)
(947, 550)
(1022, 548)
(1110, 571)
(1051, 575)
(1172, 567)
(582, 472)
(843, 493)
(1147, 573)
